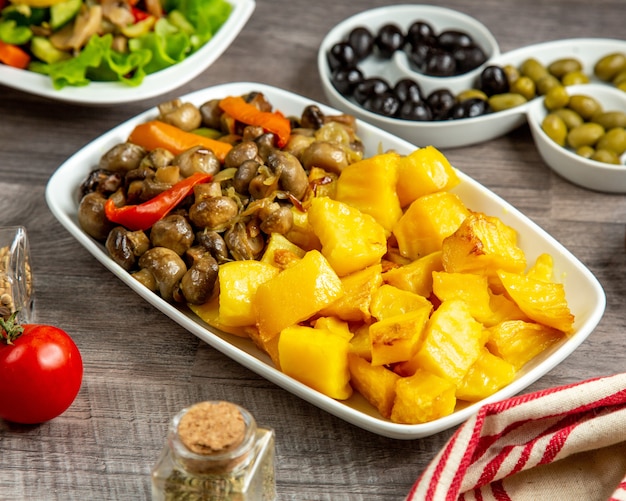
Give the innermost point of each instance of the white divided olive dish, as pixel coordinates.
(590, 174)
(155, 84)
(448, 133)
(584, 293)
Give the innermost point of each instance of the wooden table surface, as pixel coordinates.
(141, 367)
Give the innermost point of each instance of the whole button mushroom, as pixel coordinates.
(173, 232)
(167, 268)
(126, 246)
(198, 282)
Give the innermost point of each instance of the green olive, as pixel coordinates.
(525, 86)
(610, 65)
(532, 68)
(557, 97)
(511, 72)
(585, 151)
(500, 102)
(547, 82)
(605, 156)
(610, 119)
(471, 94)
(585, 106)
(619, 78)
(561, 67)
(575, 78)
(555, 128)
(586, 134)
(570, 117)
(613, 140)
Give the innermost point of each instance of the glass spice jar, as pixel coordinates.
(16, 281)
(215, 451)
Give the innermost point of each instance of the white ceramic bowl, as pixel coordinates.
(449, 133)
(440, 134)
(584, 293)
(587, 173)
(155, 84)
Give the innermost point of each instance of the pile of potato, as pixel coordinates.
(390, 286)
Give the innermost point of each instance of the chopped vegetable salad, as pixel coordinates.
(76, 42)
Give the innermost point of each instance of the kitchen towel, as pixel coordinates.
(565, 443)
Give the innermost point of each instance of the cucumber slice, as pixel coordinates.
(43, 49)
(64, 12)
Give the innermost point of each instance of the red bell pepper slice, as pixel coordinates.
(247, 113)
(143, 216)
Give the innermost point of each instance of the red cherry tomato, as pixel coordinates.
(41, 371)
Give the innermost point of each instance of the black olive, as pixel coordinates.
(453, 39)
(341, 55)
(388, 40)
(469, 108)
(418, 54)
(420, 31)
(440, 64)
(362, 41)
(468, 58)
(440, 102)
(346, 79)
(407, 89)
(383, 104)
(493, 81)
(415, 110)
(368, 88)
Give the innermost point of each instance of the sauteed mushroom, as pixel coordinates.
(173, 232)
(292, 176)
(213, 213)
(197, 159)
(199, 281)
(122, 158)
(213, 242)
(166, 267)
(126, 246)
(185, 116)
(91, 216)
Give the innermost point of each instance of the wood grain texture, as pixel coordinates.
(140, 367)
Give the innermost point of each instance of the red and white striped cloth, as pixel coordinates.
(565, 443)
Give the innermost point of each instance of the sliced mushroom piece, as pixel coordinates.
(75, 35)
(122, 157)
(125, 247)
(167, 267)
(173, 232)
(198, 282)
(92, 218)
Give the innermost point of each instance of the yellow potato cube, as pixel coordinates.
(489, 374)
(376, 383)
(427, 221)
(209, 312)
(317, 358)
(295, 294)
(239, 281)
(452, 342)
(422, 172)
(396, 338)
(359, 287)
(351, 240)
(281, 252)
(360, 343)
(422, 398)
(301, 232)
(417, 276)
(482, 245)
(468, 287)
(518, 342)
(370, 186)
(333, 325)
(389, 301)
(544, 302)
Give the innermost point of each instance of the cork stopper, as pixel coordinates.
(212, 427)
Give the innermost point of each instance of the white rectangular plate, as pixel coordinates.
(584, 293)
(155, 84)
